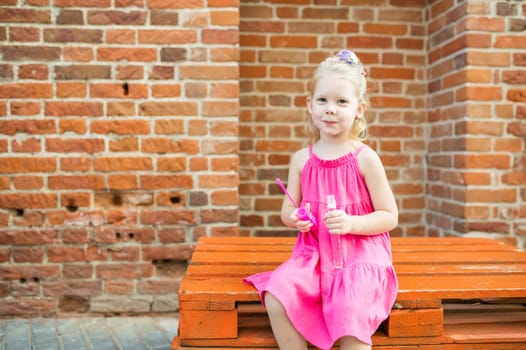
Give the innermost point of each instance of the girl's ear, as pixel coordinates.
(360, 111)
(309, 107)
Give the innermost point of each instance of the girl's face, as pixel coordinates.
(334, 105)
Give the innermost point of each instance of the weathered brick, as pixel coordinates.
(82, 72)
(169, 4)
(510, 42)
(28, 255)
(29, 145)
(124, 271)
(82, 3)
(516, 95)
(28, 182)
(116, 17)
(216, 36)
(168, 109)
(74, 145)
(70, 17)
(25, 15)
(164, 17)
(165, 181)
(24, 34)
(120, 127)
(161, 73)
(153, 36)
(78, 54)
(180, 252)
(104, 164)
(28, 237)
(175, 235)
(126, 54)
(93, 182)
(134, 91)
(63, 35)
(26, 90)
(74, 164)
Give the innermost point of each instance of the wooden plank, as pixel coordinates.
(236, 270)
(424, 258)
(421, 287)
(252, 308)
(263, 338)
(496, 332)
(462, 287)
(257, 338)
(208, 305)
(196, 324)
(415, 323)
(259, 247)
(485, 316)
(395, 241)
(219, 290)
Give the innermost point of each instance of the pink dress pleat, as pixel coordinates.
(334, 285)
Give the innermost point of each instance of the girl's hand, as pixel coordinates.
(338, 222)
(301, 225)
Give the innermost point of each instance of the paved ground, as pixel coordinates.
(89, 333)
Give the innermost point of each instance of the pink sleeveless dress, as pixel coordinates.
(334, 285)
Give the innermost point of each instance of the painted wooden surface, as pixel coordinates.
(455, 293)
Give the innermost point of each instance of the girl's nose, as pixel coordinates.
(331, 109)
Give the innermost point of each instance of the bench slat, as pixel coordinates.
(233, 270)
(433, 241)
(421, 287)
(427, 258)
(482, 247)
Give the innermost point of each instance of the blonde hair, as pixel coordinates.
(348, 65)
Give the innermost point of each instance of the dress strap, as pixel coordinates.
(359, 149)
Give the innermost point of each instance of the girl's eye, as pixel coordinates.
(342, 102)
(322, 99)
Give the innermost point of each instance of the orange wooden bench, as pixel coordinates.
(455, 294)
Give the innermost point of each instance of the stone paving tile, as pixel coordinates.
(90, 333)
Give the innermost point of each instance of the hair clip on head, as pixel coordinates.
(350, 58)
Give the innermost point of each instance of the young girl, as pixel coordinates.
(339, 283)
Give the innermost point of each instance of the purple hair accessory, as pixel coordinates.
(350, 58)
(347, 56)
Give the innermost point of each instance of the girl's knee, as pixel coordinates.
(273, 305)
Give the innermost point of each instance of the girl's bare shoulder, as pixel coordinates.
(299, 158)
(369, 161)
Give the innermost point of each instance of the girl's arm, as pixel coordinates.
(288, 210)
(385, 214)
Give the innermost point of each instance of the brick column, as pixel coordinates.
(476, 135)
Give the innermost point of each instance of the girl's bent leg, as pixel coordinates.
(351, 343)
(287, 337)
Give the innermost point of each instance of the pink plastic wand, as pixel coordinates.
(303, 213)
(286, 192)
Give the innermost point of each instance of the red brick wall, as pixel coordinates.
(129, 128)
(118, 141)
(447, 106)
(477, 92)
(281, 43)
